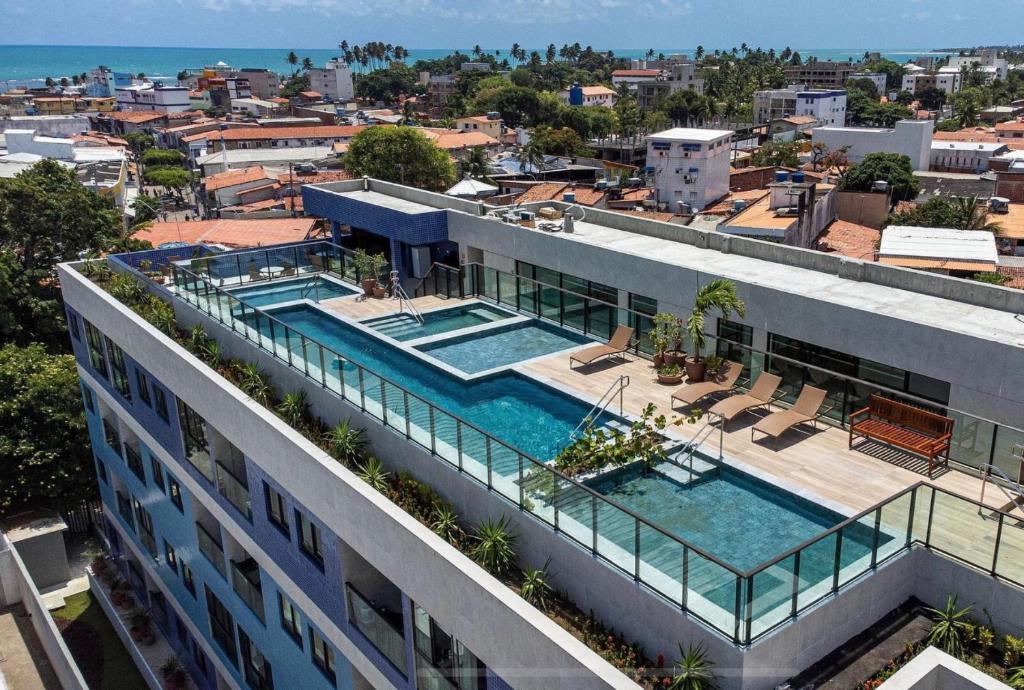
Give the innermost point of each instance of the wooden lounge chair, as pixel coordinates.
(254, 274)
(723, 383)
(761, 393)
(807, 408)
(286, 270)
(317, 262)
(618, 344)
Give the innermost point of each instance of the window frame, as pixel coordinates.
(278, 521)
(314, 552)
(292, 624)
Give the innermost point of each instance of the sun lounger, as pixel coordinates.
(254, 274)
(287, 269)
(724, 382)
(618, 344)
(761, 393)
(807, 408)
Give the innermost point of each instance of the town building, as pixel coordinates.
(54, 105)
(588, 95)
(919, 82)
(282, 567)
(275, 158)
(632, 78)
(263, 83)
(333, 81)
(489, 124)
(912, 138)
(240, 186)
(822, 74)
(795, 211)
(827, 106)
(273, 137)
(964, 156)
(941, 250)
(150, 97)
(876, 78)
(690, 167)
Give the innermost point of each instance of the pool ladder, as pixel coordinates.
(602, 404)
(399, 293)
(312, 286)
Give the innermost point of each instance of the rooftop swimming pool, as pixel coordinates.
(405, 327)
(476, 352)
(315, 288)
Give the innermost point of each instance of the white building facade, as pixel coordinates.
(147, 96)
(333, 81)
(911, 138)
(690, 166)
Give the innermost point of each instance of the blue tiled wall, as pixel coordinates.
(414, 229)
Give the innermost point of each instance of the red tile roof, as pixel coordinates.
(1015, 126)
(260, 188)
(457, 139)
(230, 178)
(266, 133)
(318, 178)
(553, 191)
(135, 116)
(310, 94)
(850, 239)
(636, 73)
(980, 136)
(230, 232)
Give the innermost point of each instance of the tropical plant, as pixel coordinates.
(719, 294)
(212, 353)
(368, 266)
(536, 587)
(666, 332)
(949, 631)
(476, 164)
(125, 288)
(293, 407)
(197, 340)
(346, 442)
(597, 448)
(1015, 678)
(373, 473)
(531, 156)
(255, 383)
(494, 545)
(670, 370)
(400, 154)
(446, 524)
(692, 671)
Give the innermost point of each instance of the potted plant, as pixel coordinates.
(719, 294)
(139, 625)
(173, 673)
(670, 374)
(367, 267)
(668, 331)
(714, 365)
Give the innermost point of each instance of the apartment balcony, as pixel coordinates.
(211, 547)
(245, 578)
(149, 653)
(383, 629)
(234, 490)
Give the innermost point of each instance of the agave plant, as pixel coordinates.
(212, 353)
(197, 339)
(1015, 678)
(373, 473)
(535, 588)
(126, 288)
(293, 407)
(692, 671)
(950, 630)
(346, 442)
(255, 383)
(446, 524)
(494, 546)
(161, 315)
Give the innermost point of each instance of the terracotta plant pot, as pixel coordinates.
(695, 370)
(379, 292)
(658, 361)
(368, 285)
(670, 380)
(675, 357)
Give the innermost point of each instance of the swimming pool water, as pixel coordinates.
(524, 413)
(405, 327)
(473, 353)
(288, 290)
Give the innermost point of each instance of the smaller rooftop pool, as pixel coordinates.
(476, 352)
(316, 289)
(404, 326)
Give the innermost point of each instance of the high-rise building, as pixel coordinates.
(333, 81)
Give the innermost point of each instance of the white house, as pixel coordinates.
(689, 166)
(876, 78)
(588, 95)
(148, 96)
(827, 106)
(964, 156)
(912, 138)
(333, 81)
(940, 250)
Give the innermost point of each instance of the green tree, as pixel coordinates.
(45, 457)
(172, 178)
(400, 154)
(386, 85)
(931, 98)
(777, 154)
(157, 157)
(961, 213)
(863, 84)
(559, 142)
(517, 104)
(893, 168)
(893, 73)
(476, 164)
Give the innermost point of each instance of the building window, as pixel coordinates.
(187, 578)
(143, 384)
(158, 473)
(255, 667)
(290, 619)
(174, 491)
(118, 369)
(172, 558)
(322, 655)
(161, 403)
(73, 325)
(277, 510)
(101, 470)
(133, 458)
(90, 404)
(309, 539)
(96, 358)
(145, 525)
(222, 626)
(731, 336)
(197, 445)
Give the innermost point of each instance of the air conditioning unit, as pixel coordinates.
(998, 204)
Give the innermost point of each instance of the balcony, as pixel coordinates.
(211, 547)
(380, 628)
(112, 436)
(234, 490)
(245, 578)
(134, 460)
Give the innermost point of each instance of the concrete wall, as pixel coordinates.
(912, 138)
(863, 208)
(16, 586)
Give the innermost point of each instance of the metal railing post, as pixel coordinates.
(796, 584)
(995, 550)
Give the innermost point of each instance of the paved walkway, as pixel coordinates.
(23, 663)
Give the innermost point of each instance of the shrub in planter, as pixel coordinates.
(368, 268)
(173, 673)
(670, 374)
(99, 565)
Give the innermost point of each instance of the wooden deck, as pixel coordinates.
(366, 308)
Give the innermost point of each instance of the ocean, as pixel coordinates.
(27, 63)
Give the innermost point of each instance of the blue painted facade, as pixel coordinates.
(400, 229)
(289, 660)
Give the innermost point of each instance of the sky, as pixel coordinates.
(498, 23)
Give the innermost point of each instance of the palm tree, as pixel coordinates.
(972, 214)
(307, 64)
(476, 164)
(692, 670)
(292, 59)
(719, 294)
(477, 50)
(408, 112)
(530, 156)
(699, 53)
(514, 53)
(551, 53)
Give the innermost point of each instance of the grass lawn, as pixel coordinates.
(102, 658)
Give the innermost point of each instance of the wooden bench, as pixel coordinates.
(904, 426)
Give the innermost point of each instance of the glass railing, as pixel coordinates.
(149, 541)
(111, 436)
(233, 490)
(210, 547)
(382, 633)
(134, 461)
(428, 677)
(740, 605)
(253, 265)
(249, 592)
